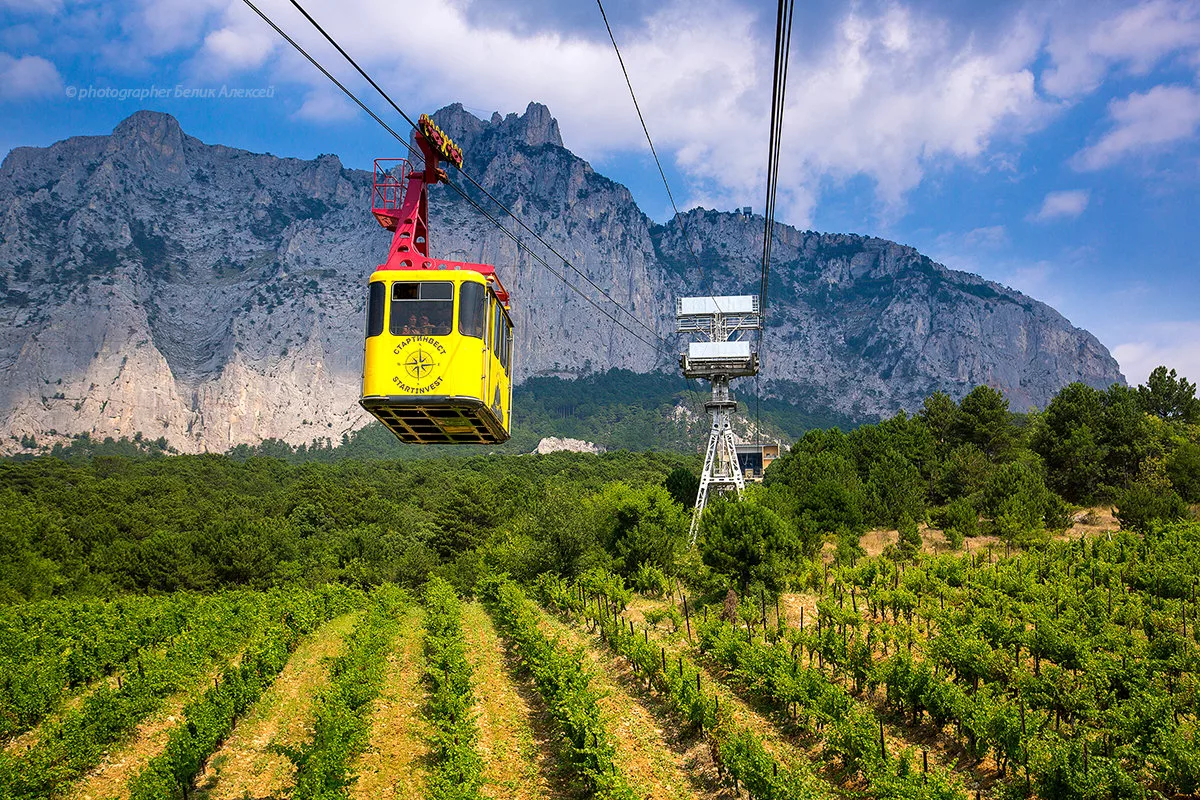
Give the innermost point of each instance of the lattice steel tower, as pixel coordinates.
(718, 357)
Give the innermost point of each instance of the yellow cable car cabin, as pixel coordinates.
(437, 367)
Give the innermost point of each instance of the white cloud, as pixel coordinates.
(27, 76)
(326, 105)
(990, 237)
(1085, 43)
(1144, 122)
(239, 48)
(894, 95)
(1175, 345)
(1062, 205)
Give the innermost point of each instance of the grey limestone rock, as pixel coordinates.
(152, 283)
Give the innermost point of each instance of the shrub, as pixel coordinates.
(1146, 501)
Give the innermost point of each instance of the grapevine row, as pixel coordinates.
(72, 745)
(209, 719)
(52, 647)
(565, 685)
(458, 769)
(341, 721)
(738, 752)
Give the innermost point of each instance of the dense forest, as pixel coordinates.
(96, 524)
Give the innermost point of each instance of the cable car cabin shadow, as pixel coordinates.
(438, 355)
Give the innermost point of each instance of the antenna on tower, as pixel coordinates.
(718, 356)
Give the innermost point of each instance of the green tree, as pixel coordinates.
(940, 415)
(895, 489)
(964, 472)
(1165, 394)
(1016, 498)
(1183, 468)
(640, 526)
(748, 543)
(985, 421)
(1149, 500)
(1067, 439)
(683, 484)
(910, 537)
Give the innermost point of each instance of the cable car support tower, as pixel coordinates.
(718, 355)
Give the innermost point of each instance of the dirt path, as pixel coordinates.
(244, 766)
(517, 762)
(393, 766)
(660, 766)
(111, 778)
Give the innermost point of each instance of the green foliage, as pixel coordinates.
(565, 684)
(958, 520)
(748, 543)
(896, 490)
(910, 537)
(741, 756)
(639, 526)
(201, 523)
(71, 745)
(458, 770)
(1016, 499)
(984, 420)
(819, 491)
(683, 484)
(341, 724)
(1183, 468)
(1149, 501)
(1169, 396)
(650, 580)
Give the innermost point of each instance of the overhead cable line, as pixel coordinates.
(783, 46)
(670, 196)
(783, 43)
(350, 60)
(416, 153)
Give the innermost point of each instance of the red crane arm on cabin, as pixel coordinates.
(401, 205)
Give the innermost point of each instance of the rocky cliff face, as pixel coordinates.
(153, 283)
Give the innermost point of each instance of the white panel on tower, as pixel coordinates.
(725, 304)
(718, 351)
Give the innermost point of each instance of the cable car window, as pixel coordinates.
(376, 298)
(508, 345)
(497, 330)
(422, 308)
(472, 310)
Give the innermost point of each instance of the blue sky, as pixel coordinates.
(1051, 146)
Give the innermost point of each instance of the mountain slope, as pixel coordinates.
(153, 283)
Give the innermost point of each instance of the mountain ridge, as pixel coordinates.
(154, 283)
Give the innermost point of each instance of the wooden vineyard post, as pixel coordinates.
(687, 619)
(925, 764)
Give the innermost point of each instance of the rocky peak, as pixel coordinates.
(152, 140)
(234, 312)
(536, 127)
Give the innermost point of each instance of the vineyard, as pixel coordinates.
(965, 604)
(1069, 671)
